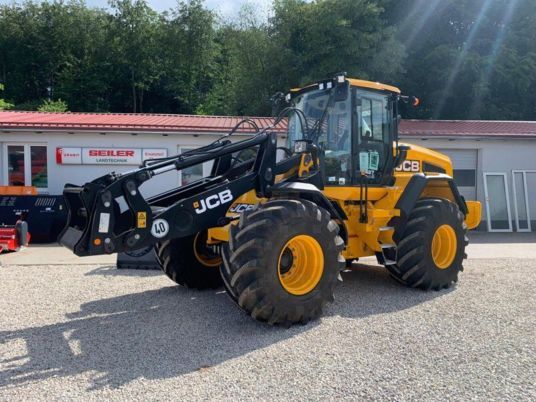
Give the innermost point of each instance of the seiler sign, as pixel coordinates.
(106, 156)
(111, 156)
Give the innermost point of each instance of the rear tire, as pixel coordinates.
(282, 261)
(188, 262)
(431, 247)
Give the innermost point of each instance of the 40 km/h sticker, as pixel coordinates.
(160, 228)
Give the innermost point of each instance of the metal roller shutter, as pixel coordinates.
(465, 167)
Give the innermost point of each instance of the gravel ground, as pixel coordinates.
(92, 332)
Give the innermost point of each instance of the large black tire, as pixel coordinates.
(258, 248)
(416, 266)
(188, 262)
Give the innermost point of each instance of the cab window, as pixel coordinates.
(374, 122)
(373, 127)
(336, 142)
(331, 121)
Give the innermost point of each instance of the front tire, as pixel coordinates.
(283, 261)
(431, 247)
(189, 262)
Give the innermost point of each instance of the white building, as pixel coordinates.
(47, 150)
(494, 162)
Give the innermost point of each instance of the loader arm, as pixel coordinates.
(110, 215)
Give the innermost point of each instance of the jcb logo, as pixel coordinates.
(213, 201)
(409, 166)
(239, 208)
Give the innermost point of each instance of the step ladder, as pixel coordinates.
(389, 250)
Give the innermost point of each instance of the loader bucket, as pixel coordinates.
(79, 202)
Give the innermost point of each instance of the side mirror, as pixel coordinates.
(411, 100)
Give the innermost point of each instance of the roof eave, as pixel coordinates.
(97, 130)
(469, 137)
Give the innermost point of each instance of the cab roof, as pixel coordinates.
(374, 85)
(355, 82)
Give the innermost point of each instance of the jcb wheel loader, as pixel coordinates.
(280, 215)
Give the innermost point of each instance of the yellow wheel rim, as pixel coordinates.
(300, 265)
(203, 256)
(444, 245)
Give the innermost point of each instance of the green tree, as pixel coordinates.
(303, 42)
(466, 59)
(86, 79)
(469, 59)
(245, 81)
(188, 51)
(328, 36)
(133, 37)
(54, 48)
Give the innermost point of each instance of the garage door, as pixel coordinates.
(465, 162)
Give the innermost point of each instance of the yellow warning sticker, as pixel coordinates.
(142, 220)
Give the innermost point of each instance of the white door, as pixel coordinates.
(499, 218)
(521, 201)
(531, 192)
(464, 162)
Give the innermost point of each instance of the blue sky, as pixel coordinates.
(227, 8)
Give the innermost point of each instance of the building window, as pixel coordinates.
(38, 160)
(465, 177)
(193, 173)
(26, 165)
(15, 165)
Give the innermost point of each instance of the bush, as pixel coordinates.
(5, 105)
(53, 106)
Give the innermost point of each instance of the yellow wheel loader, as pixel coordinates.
(281, 215)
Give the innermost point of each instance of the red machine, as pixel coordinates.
(12, 238)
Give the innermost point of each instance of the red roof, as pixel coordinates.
(221, 124)
(125, 122)
(468, 128)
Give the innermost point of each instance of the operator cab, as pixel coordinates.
(353, 123)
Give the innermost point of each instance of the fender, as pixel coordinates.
(417, 186)
(311, 193)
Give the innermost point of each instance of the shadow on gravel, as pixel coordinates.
(111, 270)
(168, 332)
(370, 290)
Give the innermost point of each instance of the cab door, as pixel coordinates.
(373, 136)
